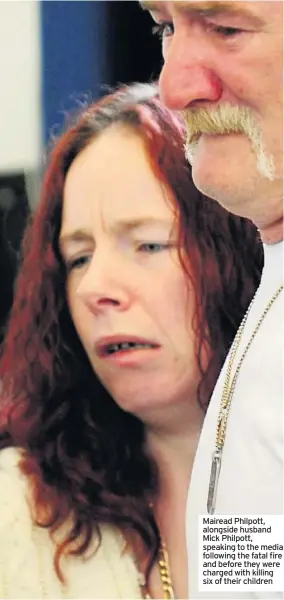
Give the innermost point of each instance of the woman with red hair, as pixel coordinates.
(131, 290)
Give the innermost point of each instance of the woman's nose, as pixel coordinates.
(105, 284)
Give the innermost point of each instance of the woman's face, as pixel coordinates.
(128, 296)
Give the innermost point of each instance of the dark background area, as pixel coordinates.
(134, 53)
(14, 210)
(87, 48)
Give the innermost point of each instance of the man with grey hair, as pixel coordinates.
(223, 70)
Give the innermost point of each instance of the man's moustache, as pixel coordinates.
(223, 120)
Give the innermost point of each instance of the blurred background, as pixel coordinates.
(52, 55)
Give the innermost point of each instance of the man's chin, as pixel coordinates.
(208, 170)
(192, 147)
(211, 147)
(190, 151)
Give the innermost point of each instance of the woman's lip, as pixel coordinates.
(102, 344)
(130, 358)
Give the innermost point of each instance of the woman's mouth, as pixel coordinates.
(126, 346)
(116, 345)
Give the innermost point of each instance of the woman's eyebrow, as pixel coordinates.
(78, 235)
(132, 224)
(81, 235)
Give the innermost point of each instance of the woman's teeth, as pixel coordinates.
(112, 348)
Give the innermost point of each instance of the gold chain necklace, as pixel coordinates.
(227, 396)
(165, 574)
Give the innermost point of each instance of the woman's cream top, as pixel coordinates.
(27, 552)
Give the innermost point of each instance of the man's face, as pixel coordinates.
(228, 54)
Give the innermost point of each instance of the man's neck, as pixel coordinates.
(273, 233)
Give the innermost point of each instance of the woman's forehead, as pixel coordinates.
(112, 180)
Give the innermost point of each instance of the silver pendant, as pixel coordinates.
(213, 482)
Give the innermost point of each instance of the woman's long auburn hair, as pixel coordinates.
(84, 456)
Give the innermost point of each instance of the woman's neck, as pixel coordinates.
(173, 448)
(171, 441)
(173, 452)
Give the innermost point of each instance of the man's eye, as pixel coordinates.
(77, 263)
(225, 31)
(163, 30)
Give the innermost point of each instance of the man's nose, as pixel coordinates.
(187, 78)
(104, 286)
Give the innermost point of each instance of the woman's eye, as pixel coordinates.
(163, 30)
(152, 247)
(77, 263)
